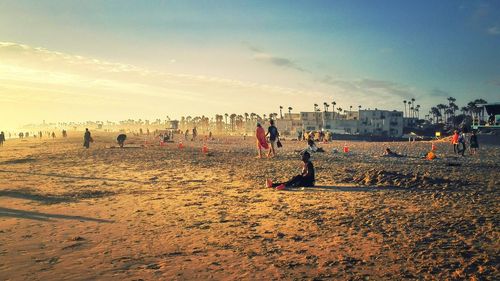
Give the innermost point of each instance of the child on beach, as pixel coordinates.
(305, 179)
(260, 135)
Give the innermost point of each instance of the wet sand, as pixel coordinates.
(163, 213)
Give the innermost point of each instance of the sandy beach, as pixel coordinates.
(147, 212)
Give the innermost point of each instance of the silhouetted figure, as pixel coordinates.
(64, 134)
(2, 138)
(53, 135)
(87, 138)
(474, 144)
(21, 135)
(121, 139)
(195, 133)
(40, 134)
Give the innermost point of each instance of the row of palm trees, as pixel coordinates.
(413, 109)
(442, 113)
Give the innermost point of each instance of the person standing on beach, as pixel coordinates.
(260, 135)
(461, 142)
(2, 138)
(195, 133)
(454, 141)
(273, 134)
(87, 138)
(474, 144)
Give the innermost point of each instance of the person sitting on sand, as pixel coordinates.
(389, 153)
(260, 135)
(121, 139)
(87, 138)
(305, 179)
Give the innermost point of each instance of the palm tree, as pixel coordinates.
(333, 109)
(232, 119)
(413, 102)
(281, 112)
(441, 107)
(290, 112)
(226, 115)
(436, 112)
(464, 110)
(315, 107)
(418, 110)
(405, 107)
(246, 117)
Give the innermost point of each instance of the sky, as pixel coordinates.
(114, 60)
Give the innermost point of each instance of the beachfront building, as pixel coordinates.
(381, 123)
(289, 124)
(364, 122)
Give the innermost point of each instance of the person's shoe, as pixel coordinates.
(280, 187)
(269, 183)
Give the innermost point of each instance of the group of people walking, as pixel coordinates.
(262, 139)
(460, 140)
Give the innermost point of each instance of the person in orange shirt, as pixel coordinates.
(260, 135)
(454, 141)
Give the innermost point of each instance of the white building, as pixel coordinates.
(363, 122)
(381, 123)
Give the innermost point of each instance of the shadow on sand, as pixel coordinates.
(13, 213)
(72, 177)
(28, 195)
(347, 188)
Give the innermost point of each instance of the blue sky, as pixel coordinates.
(374, 53)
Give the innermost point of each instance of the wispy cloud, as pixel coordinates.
(494, 30)
(439, 93)
(371, 87)
(49, 78)
(262, 56)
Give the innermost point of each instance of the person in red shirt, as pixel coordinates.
(454, 141)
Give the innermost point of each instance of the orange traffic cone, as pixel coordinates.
(346, 148)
